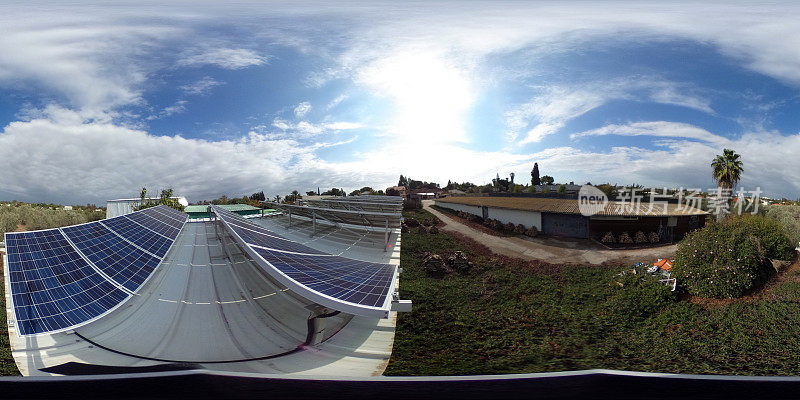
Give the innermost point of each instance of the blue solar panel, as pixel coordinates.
(143, 237)
(342, 278)
(154, 225)
(177, 217)
(346, 280)
(123, 262)
(269, 239)
(52, 286)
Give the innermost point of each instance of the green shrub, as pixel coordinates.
(771, 234)
(728, 259)
(789, 218)
(637, 297)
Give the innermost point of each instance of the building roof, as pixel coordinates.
(570, 206)
(229, 207)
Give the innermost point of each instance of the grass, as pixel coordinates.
(511, 316)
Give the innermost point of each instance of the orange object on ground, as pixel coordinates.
(664, 264)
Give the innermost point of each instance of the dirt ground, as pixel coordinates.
(551, 250)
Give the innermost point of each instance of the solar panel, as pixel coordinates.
(126, 264)
(352, 286)
(266, 238)
(52, 286)
(155, 225)
(349, 280)
(171, 212)
(166, 215)
(61, 278)
(143, 237)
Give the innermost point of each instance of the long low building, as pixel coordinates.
(201, 211)
(563, 217)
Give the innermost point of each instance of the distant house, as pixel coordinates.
(401, 190)
(68, 208)
(425, 193)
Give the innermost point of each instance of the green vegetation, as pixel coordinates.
(164, 199)
(509, 316)
(730, 258)
(20, 216)
(789, 218)
(727, 170)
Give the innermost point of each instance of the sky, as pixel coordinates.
(100, 99)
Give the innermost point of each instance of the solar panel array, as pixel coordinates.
(62, 278)
(333, 281)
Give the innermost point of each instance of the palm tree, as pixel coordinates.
(727, 170)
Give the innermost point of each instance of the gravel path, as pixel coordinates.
(552, 250)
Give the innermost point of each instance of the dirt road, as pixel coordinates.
(552, 250)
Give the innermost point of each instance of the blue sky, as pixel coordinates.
(97, 101)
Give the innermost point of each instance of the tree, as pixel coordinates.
(727, 170)
(258, 196)
(535, 175)
(610, 191)
(562, 189)
(334, 192)
(311, 193)
(392, 192)
(547, 180)
(403, 181)
(165, 198)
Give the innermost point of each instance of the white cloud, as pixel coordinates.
(302, 109)
(678, 162)
(555, 105)
(657, 128)
(178, 107)
(201, 87)
(551, 111)
(335, 102)
(223, 58)
(305, 129)
(668, 94)
(61, 158)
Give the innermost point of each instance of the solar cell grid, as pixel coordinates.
(172, 213)
(362, 283)
(349, 280)
(123, 262)
(154, 225)
(143, 237)
(52, 286)
(165, 217)
(273, 242)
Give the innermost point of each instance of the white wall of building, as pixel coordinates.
(474, 210)
(527, 218)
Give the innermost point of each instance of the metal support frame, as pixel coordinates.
(386, 235)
